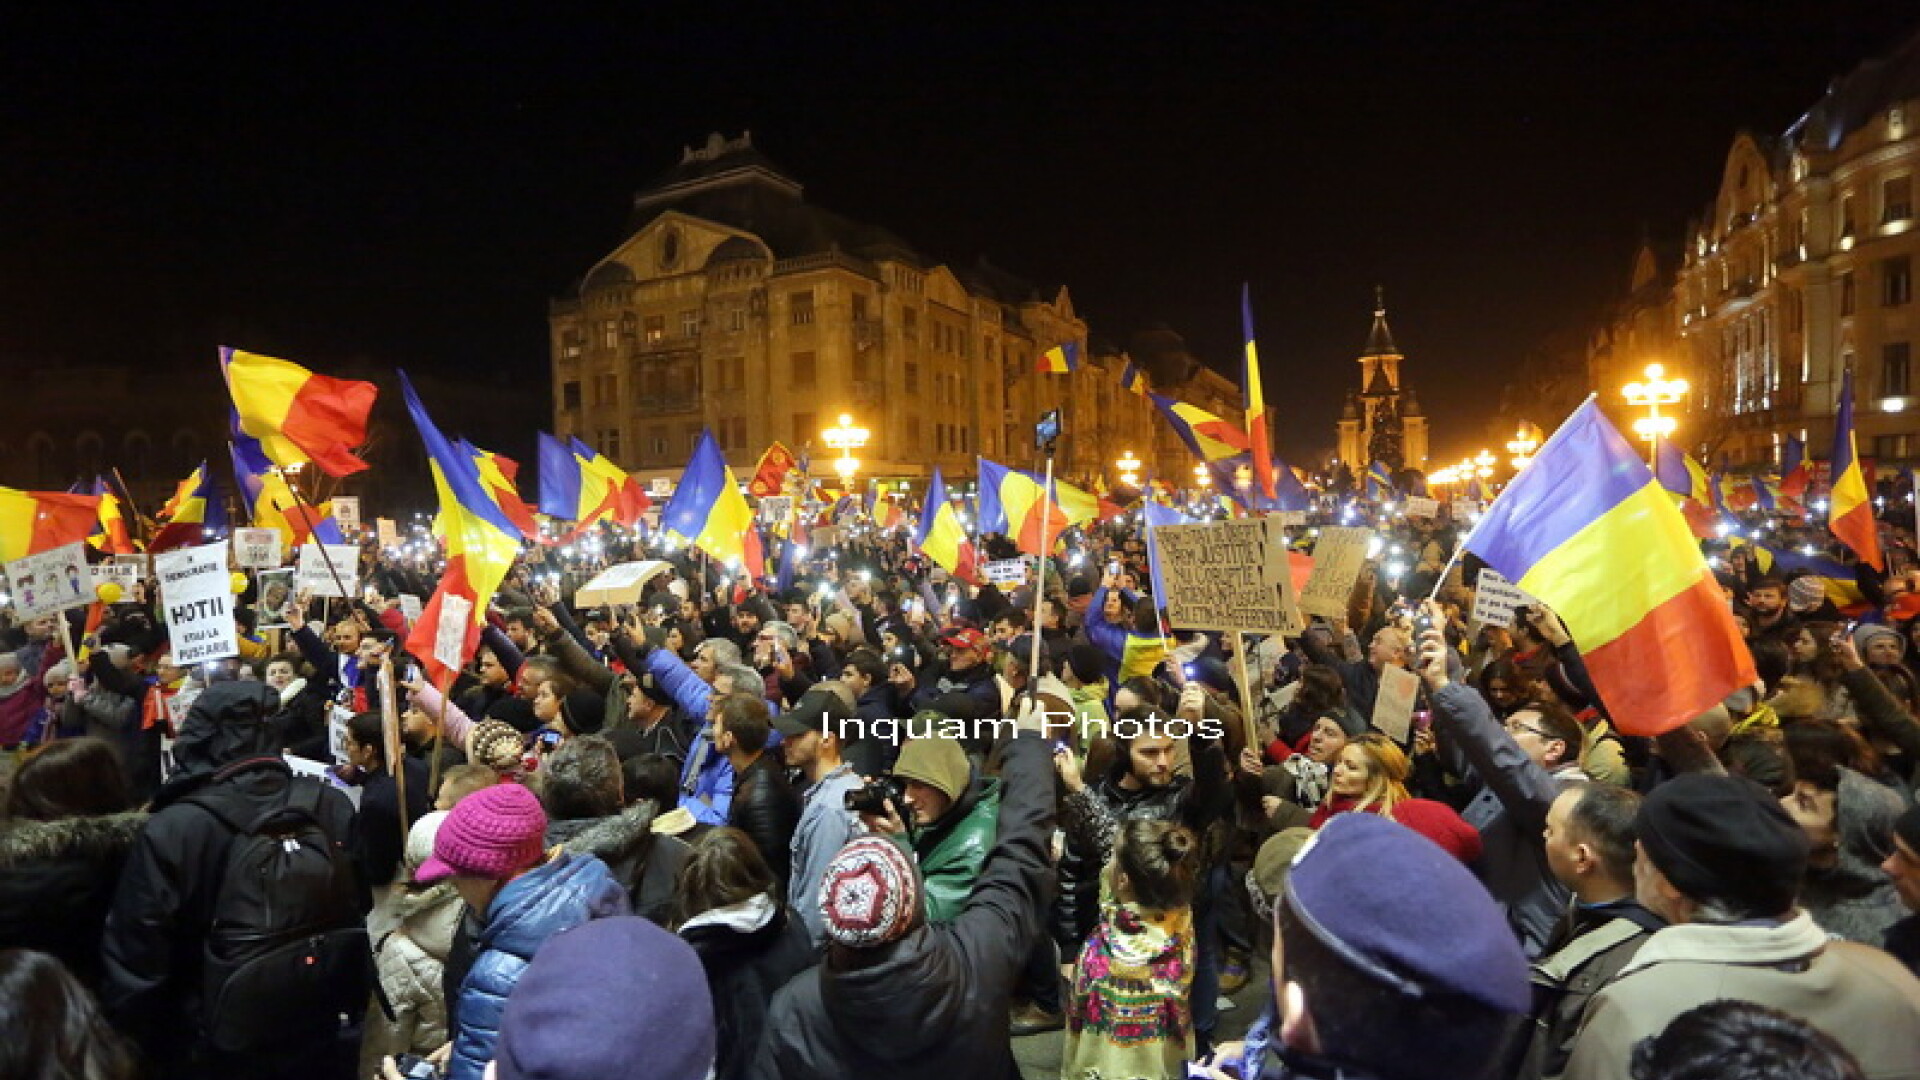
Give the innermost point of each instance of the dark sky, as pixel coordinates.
(325, 182)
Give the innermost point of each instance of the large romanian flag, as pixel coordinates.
(501, 475)
(298, 416)
(35, 521)
(1016, 503)
(196, 511)
(579, 484)
(1257, 439)
(1587, 529)
(1850, 503)
(941, 535)
(1209, 437)
(481, 543)
(707, 509)
(1062, 359)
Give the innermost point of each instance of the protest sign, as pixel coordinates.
(313, 576)
(1339, 555)
(274, 588)
(1292, 519)
(1420, 507)
(1008, 574)
(346, 514)
(1393, 706)
(387, 531)
(623, 583)
(1464, 509)
(660, 485)
(50, 582)
(122, 570)
(450, 635)
(256, 549)
(776, 508)
(1228, 575)
(410, 608)
(321, 771)
(196, 596)
(1494, 598)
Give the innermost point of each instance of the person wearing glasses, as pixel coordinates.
(1519, 768)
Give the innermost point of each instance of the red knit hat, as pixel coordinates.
(870, 893)
(493, 833)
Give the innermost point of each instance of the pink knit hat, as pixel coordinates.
(493, 833)
(870, 893)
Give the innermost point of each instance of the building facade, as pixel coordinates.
(1803, 268)
(1382, 421)
(735, 305)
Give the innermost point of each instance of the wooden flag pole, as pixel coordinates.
(1246, 690)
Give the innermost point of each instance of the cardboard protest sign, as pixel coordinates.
(312, 575)
(256, 549)
(196, 597)
(1464, 509)
(622, 583)
(346, 514)
(1393, 706)
(1494, 598)
(1420, 507)
(274, 590)
(1339, 555)
(410, 607)
(776, 508)
(387, 531)
(1292, 519)
(450, 635)
(1007, 574)
(660, 485)
(122, 570)
(1228, 575)
(51, 582)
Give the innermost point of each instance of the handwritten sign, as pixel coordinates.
(776, 508)
(410, 608)
(122, 570)
(1494, 598)
(1339, 555)
(1420, 507)
(1008, 574)
(450, 633)
(51, 582)
(313, 575)
(1393, 705)
(388, 532)
(660, 485)
(321, 771)
(196, 596)
(1228, 575)
(1464, 509)
(256, 549)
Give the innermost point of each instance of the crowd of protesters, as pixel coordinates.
(685, 837)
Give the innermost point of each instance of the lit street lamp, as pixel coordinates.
(845, 438)
(1129, 467)
(1483, 464)
(1201, 477)
(1524, 442)
(1655, 392)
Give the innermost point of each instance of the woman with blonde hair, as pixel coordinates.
(1370, 777)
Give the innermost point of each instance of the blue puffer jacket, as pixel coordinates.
(567, 891)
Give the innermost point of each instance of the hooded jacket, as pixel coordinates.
(952, 850)
(645, 861)
(1855, 899)
(562, 893)
(749, 951)
(935, 1003)
(57, 880)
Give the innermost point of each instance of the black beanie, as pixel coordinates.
(1089, 664)
(584, 711)
(515, 711)
(1724, 838)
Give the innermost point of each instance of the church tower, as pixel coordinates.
(1382, 421)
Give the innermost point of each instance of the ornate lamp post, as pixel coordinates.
(1129, 468)
(845, 438)
(1658, 390)
(1524, 442)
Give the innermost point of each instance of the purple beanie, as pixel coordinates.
(495, 832)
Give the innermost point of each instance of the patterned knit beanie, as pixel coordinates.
(494, 833)
(870, 894)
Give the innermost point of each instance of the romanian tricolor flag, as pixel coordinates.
(298, 416)
(1793, 468)
(707, 509)
(35, 521)
(886, 514)
(481, 544)
(1257, 439)
(1016, 503)
(941, 535)
(579, 484)
(1850, 502)
(1379, 480)
(195, 510)
(1133, 380)
(1588, 530)
(1836, 578)
(1062, 359)
(110, 534)
(501, 475)
(1209, 437)
(770, 475)
(1687, 481)
(270, 501)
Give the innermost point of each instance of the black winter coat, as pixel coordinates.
(935, 1003)
(645, 863)
(56, 882)
(767, 809)
(748, 954)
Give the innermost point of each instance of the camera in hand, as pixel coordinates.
(872, 797)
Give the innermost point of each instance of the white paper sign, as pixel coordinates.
(256, 549)
(1292, 519)
(1229, 575)
(1338, 557)
(410, 608)
(388, 531)
(123, 571)
(196, 596)
(1494, 598)
(660, 485)
(346, 513)
(51, 582)
(1006, 573)
(312, 574)
(450, 634)
(1393, 705)
(1464, 509)
(776, 508)
(321, 771)
(1418, 507)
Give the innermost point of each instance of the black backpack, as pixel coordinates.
(287, 951)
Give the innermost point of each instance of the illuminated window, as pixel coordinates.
(801, 304)
(656, 329)
(1896, 198)
(690, 324)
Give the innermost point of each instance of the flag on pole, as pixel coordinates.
(1257, 440)
(270, 501)
(1587, 529)
(110, 531)
(1016, 503)
(1793, 467)
(1850, 502)
(481, 544)
(770, 475)
(580, 485)
(941, 536)
(1209, 437)
(1062, 359)
(1133, 380)
(35, 521)
(298, 416)
(1687, 480)
(707, 509)
(1379, 480)
(501, 475)
(196, 510)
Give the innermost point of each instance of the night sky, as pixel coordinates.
(324, 184)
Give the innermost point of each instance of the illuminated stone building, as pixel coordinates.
(1382, 421)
